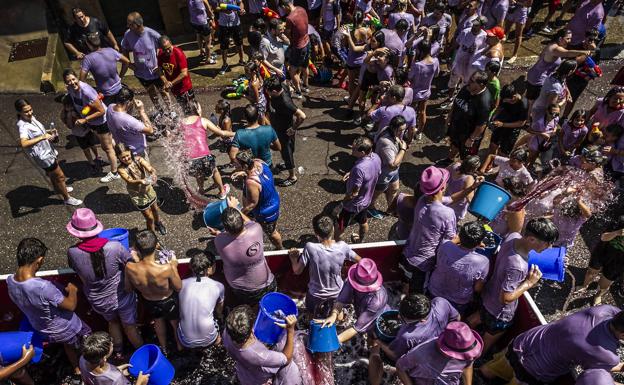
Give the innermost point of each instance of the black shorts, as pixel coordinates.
(167, 308)
(203, 29)
(519, 371)
(532, 91)
(299, 57)
(413, 276)
(89, 140)
(147, 83)
(100, 128)
(505, 138)
(225, 33)
(268, 227)
(368, 80)
(202, 167)
(110, 99)
(608, 259)
(186, 100)
(346, 217)
(493, 325)
(251, 298)
(576, 85)
(51, 167)
(458, 140)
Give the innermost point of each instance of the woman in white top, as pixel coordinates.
(35, 141)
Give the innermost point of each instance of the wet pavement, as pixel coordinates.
(30, 208)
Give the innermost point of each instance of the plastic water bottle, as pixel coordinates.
(53, 132)
(213, 118)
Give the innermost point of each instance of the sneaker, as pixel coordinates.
(224, 69)
(71, 201)
(529, 34)
(369, 126)
(211, 61)
(109, 177)
(547, 29)
(374, 213)
(357, 121)
(213, 55)
(297, 95)
(447, 104)
(512, 60)
(69, 188)
(161, 228)
(226, 191)
(305, 90)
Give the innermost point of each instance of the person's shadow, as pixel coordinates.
(101, 202)
(33, 198)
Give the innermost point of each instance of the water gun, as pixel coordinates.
(589, 70)
(87, 109)
(264, 71)
(240, 86)
(271, 14)
(375, 22)
(312, 67)
(228, 7)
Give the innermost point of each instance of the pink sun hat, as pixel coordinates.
(84, 224)
(460, 342)
(433, 179)
(364, 276)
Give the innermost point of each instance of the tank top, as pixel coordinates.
(195, 139)
(267, 209)
(355, 58)
(541, 70)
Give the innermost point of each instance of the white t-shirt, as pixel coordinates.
(197, 303)
(505, 171)
(42, 153)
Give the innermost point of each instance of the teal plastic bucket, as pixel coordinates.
(387, 319)
(150, 360)
(550, 262)
(274, 307)
(323, 340)
(488, 201)
(212, 213)
(11, 346)
(117, 234)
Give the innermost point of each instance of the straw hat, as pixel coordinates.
(84, 224)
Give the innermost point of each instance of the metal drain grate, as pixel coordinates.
(28, 49)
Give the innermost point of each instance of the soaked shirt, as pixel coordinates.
(103, 66)
(363, 176)
(325, 267)
(112, 375)
(84, 96)
(368, 306)
(143, 47)
(426, 365)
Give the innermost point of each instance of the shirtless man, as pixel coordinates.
(158, 283)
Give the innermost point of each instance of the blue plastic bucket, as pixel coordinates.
(550, 262)
(11, 346)
(212, 213)
(116, 234)
(488, 201)
(379, 328)
(265, 328)
(150, 360)
(323, 340)
(36, 339)
(491, 245)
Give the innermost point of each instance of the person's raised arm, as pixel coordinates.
(71, 301)
(148, 128)
(569, 53)
(295, 261)
(289, 347)
(252, 197)
(467, 375)
(531, 280)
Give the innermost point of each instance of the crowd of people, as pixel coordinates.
(557, 163)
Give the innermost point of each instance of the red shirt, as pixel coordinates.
(297, 21)
(171, 66)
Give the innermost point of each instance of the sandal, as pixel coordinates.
(288, 182)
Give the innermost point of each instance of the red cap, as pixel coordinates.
(496, 31)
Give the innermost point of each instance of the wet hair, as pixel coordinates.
(396, 92)
(146, 242)
(615, 129)
(20, 104)
(415, 307)
(396, 123)
(67, 72)
(323, 226)
(494, 67)
(224, 106)
(252, 66)
(592, 34)
(424, 48)
(560, 34)
(96, 346)
(401, 26)
(470, 164)
(363, 144)
(508, 91)
(232, 220)
(94, 39)
(251, 113)
(400, 76)
(543, 229)
(260, 25)
(613, 91)
(239, 322)
(254, 38)
(323, 309)
(471, 234)
(163, 39)
(358, 18)
(273, 84)
(480, 77)
(401, 5)
(578, 114)
(564, 69)
(125, 95)
(520, 154)
(551, 107)
(380, 37)
(569, 207)
(201, 262)
(28, 250)
(618, 321)
(246, 159)
(516, 186)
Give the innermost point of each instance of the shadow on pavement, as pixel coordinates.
(101, 202)
(32, 197)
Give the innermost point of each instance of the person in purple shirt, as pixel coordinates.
(440, 18)
(571, 135)
(460, 271)
(325, 260)
(364, 289)
(143, 42)
(423, 319)
(255, 363)
(433, 223)
(361, 181)
(126, 128)
(47, 309)
(588, 15)
(589, 338)
(512, 277)
(241, 248)
(392, 105)
(595, 377)
(421, 74)
(445, 360)
(495, 11)
(200, 13)
(400, 13)
(100, 264)
(102, 63)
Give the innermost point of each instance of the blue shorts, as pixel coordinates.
(299, 57)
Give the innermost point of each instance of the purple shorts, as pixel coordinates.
(313, 303)
(74, 340)
(519, 15)
(126, 312)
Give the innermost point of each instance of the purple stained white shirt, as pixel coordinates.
(143, 47)
(384, 114)
(363, 176)
(368, 306)
(413, 334)
(198, 301)
(331, 10)
(568, 227)
(506, 171)
(325, 267)
(393, 41)
(456, 272)
(396, 16)
(582, 338)
(197, 12)
(421, 76)
(542, 126)
(111, 376)
(587, 16)
(551, 86)
(456, 184)
(595, 377)
(444, 23)
(571, 135)
(433, 224)
(228, 18)
(126, 129)
(510, 270)
(83, 97)
(495, 12)
(103, 66)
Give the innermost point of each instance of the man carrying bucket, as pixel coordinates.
(512, 277)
